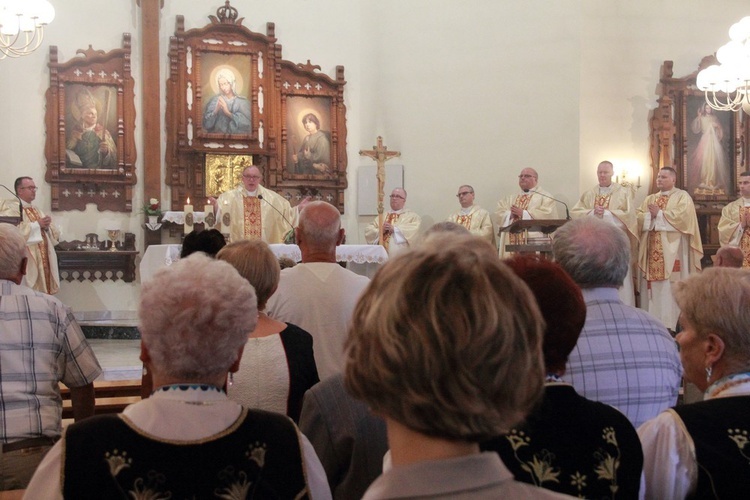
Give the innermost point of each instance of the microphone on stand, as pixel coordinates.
(20, 205)
(289, 236)
(567, 212)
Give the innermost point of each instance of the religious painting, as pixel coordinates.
(709, 139)
(226, 92)
(90, 126)
(90, 123)
(224, 172)
(308, 123)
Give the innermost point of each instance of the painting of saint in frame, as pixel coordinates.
(709, 149)
(90, 125)
(226, 94)
(308, 122)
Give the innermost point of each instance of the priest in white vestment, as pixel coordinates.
(670, 248)
(734, 225)
(42, 272)
(473, 217)
(612, 203)
(256, 212)
(400, 225)
(531, 202)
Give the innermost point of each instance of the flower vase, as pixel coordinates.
(153, 223)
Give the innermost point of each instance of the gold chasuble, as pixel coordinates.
(391, 218)
(522, 202)
(33, 215)
(252, 218)
(602, 200)
(745, 239)
(656, 271)
(730, 228)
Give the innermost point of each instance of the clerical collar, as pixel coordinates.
(467, 211)
(605, 190)
(746, 200)
(251, 193)
(399, 212)
(667, 192)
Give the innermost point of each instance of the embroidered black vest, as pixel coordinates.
(575, 446)
(257, 457)
(720, 429)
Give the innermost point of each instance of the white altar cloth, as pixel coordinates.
(362, 259)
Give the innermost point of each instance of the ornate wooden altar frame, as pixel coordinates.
(95, 73)
(671, 146)
(270, 85)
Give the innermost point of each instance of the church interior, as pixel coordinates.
(468, 93)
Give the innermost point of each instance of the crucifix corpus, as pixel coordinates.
(380, 154)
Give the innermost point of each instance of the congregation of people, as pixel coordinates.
(460, 370)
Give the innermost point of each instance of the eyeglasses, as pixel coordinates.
(252, 177)
(465, 193)
(34, 188)
(397, 196)
(525, 176)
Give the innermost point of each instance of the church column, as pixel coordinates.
(151, 98)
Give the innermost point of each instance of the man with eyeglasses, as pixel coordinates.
(532, 202)
(42, 273)
(256, 212)
(473, 217)
(400, 225)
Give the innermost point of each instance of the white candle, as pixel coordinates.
(188, 210)
(225, 218)
(208, 219)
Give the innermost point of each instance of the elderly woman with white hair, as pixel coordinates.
(188, 440)
(702, 450)
(445, 345)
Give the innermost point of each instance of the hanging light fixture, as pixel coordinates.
(727, 84)
(22, 25)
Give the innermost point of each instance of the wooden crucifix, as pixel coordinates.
(380, 154)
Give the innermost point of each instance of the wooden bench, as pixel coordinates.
(112, 396)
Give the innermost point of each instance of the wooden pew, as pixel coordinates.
(112, 396)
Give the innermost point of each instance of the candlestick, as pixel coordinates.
(188, 210)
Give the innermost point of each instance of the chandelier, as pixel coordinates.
(22, 25)
(727, 84)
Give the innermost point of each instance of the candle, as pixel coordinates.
(225, 220)
(209, 220)
(188, 217)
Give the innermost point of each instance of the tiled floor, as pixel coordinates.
(118, 358)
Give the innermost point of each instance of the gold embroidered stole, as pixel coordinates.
(252, 226)
(745, 240)
(656, 271)
(33, 215)
(602, 200)
(464, 220)
(522, 202)
(391, 219)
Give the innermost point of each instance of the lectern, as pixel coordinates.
(541, 244)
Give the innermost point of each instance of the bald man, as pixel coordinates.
(319, 295)
(531, 202)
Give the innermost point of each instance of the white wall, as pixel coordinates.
(469, 92)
